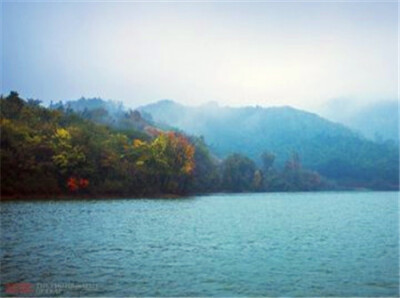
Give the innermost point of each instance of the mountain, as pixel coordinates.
(378, 121)
(247, 130)
(330, 148)
(108, 112)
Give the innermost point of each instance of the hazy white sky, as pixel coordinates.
(300, 54)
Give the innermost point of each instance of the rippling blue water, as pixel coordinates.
(303, 244)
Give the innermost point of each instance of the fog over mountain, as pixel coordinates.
(377, 121)
(108, 112)
(328, 147)
(228, 129)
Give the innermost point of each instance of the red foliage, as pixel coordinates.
(74, 183)
(83, 183)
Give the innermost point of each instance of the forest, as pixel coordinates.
(332, 149)
(57, 152)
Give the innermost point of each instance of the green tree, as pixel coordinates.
(238, 173)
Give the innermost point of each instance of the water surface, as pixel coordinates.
(282, 244)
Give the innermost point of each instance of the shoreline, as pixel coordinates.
(64, 197)
(86, 197)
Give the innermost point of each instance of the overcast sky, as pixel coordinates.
(299, 54)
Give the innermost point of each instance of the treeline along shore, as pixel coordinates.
(59, 153)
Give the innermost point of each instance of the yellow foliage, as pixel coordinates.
(62, 133)
(138, 143)
(4, 121)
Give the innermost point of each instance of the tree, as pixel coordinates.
(295, 178)
(257, 181)
(238, 173)
(168, 159)
(206, 177)
(267, 160)
(11, 106)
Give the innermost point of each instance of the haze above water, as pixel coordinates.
(293, 244)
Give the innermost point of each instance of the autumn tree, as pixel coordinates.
(169, 159)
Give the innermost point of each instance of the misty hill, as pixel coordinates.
(330, 148)
(247, 130)
(51, 152)
(107, 112)
(377, 121)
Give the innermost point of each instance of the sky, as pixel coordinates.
(302, 54)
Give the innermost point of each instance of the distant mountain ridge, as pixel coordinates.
(377, 121)
(332, 149)
(266, 127)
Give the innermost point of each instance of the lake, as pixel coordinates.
(268, 244)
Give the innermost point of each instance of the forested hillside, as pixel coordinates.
(110, 113)
(329, 148)
(57, 152)
(54, 152)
